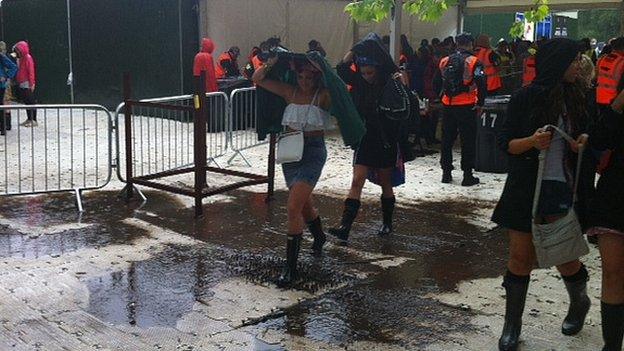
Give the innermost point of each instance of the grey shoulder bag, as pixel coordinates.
(561, 241)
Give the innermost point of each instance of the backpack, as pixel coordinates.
(396, 101)
(453, 75)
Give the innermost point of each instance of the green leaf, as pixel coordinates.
(537, 13)
(379, 10)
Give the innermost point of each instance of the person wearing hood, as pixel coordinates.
(204, 63)
(25, 80)
(491, 62)
(378, 151)
(8, 70)
(554, 98)
(227, 64)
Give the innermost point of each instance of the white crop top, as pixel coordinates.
(307, 117)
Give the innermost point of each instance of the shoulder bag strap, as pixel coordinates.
(542, 161)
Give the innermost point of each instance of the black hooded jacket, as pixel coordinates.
(514, 210)
(607, 206)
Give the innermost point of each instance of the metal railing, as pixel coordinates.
(163, 138)
(209, 114)
(243, 122)
(66, 151)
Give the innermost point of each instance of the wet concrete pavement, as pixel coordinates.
(371, 294)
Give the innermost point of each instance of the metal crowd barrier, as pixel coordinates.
(69, 150)
(209, 114)
(243, 122)
(163, 138)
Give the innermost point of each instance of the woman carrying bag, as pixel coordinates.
(607, 218)
(554, 99)
(307, 89)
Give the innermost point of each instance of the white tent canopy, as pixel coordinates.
(245, 23)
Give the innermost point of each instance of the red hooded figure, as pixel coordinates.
(26, 72)
(204, 62)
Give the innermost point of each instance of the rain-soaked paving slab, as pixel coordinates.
(125, 276)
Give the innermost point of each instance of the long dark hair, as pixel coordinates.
(565, 99)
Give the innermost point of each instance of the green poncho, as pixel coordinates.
(271, 107)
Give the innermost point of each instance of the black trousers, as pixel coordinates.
(28, 98)
(462, 120)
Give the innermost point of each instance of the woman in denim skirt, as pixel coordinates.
(307, 111)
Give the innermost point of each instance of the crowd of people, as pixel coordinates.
(564, 125)
(17, 81)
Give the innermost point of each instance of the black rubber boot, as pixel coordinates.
(612, 326)
(351, 208)
(316, 228)
(579, 302)
(387, 208)
(516, 288)
(469, 179)
(289, 273)
(447, 177)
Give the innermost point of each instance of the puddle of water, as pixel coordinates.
(245, 238)
(35, 217)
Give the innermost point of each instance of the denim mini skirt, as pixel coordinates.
(309, 169)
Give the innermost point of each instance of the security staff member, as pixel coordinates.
(528, 70)
(610, 74)
(464, 88)
(491, 62)
(227, 64)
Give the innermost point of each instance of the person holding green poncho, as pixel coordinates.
(303, 90)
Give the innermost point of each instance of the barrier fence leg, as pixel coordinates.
(130, 189)
(271, 172)
(78, 200)
(200, 142)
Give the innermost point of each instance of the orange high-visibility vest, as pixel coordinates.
(220, 72)
(528, 72)
(494, 81)
(470, 97)
(610, 71)
(354, 69)
(257, 63)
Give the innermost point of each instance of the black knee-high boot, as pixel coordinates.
(612, 326)
(516, 288)
(387, 208)
(289, 273)
(351, 208)
(579, 302)
(316, 228)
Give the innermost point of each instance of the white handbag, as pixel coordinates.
(289, 147)
(561, 241)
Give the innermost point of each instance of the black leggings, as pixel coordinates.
(28, 98)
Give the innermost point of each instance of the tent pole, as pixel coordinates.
(395, 30)
(181, 48)
(71, 61)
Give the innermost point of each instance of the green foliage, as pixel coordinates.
(599, 24)
(379, 10)
(370, 10)
(428, 10)
(537, 13)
